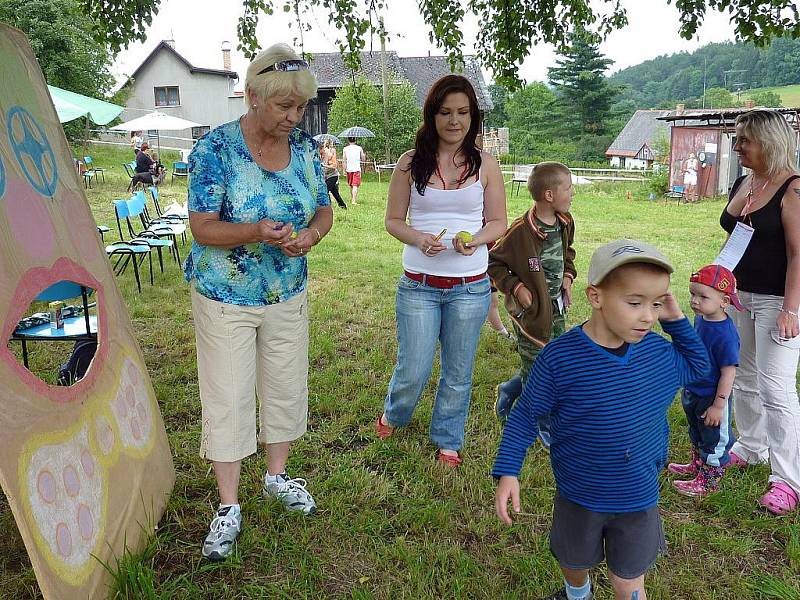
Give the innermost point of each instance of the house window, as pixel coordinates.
(198, 132)
(167, 96)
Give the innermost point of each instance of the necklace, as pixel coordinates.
(457, 182)
(751, 196)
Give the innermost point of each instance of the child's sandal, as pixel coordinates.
(780, 499)
(383, 431)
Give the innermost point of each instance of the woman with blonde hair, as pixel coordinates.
(765, 401)
(257, 206)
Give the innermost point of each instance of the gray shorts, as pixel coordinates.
(629, 542)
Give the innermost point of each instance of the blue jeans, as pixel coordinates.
(713, 443)
(454, 318)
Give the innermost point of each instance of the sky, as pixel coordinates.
(199, 28)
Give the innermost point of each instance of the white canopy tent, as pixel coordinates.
(158, 121)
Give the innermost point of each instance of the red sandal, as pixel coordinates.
(780, 499)
(451, 461)
(383, 431)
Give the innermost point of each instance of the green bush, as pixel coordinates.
(659, 182)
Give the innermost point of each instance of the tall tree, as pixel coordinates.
(61, 35)
(718, 97)
(498, 116)
(585, 95)
(507, 32)
(361, 104)
(765, 98)
(535, 134)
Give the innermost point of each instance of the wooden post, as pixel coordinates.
(385, 78)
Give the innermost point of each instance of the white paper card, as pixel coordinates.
(711, 148)
(734, 248)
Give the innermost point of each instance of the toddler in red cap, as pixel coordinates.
(706, 401)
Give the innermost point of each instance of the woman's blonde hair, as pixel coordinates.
(777, 139)
(278, 83)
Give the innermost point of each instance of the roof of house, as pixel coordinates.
(420, 71)
(166, 46)
(720, 116)
(639, 131)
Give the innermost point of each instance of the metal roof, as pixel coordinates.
(638, 132)
(722, 118)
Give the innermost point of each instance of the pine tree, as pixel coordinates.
(585, 95)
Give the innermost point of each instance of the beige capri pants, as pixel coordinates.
(244, 351)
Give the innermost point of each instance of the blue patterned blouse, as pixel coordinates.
(224, 179)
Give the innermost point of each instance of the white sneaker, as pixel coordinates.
(224, 530)
(291, 492)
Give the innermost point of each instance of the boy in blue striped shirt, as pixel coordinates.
(607, 385)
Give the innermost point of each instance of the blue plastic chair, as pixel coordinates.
(91, 168)
(164, 226)
(124, 210)
(180, 169)
(130, 252)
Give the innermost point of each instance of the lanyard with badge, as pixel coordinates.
(734, 249)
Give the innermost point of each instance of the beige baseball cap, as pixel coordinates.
(622, 252)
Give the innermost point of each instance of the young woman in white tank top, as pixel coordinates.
(444, 186)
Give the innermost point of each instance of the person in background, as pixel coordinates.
(144, 166)
(765, 402)
(690, 177)
(353, 157)
(446, 202)
(258, 205)
(330, 169)
(136, 142)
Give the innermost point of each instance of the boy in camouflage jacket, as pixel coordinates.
(533, 264)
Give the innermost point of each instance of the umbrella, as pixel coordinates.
(324, 137)
(356, 132)
(158, 121)
(70, 105)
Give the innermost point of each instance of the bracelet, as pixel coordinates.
(319, 235)
(788, 312)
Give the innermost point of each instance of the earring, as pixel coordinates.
(255, 106)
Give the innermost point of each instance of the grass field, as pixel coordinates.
(790, 94)
(391, 523)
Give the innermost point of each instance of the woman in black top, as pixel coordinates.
(144, 166)
(765, 398)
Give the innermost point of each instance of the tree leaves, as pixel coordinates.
(361, 103)
(509, 29)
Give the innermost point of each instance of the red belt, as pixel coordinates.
(440, 282)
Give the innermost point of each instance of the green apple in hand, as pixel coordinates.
(464, 237)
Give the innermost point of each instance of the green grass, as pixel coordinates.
(790, 94)
(391, 524)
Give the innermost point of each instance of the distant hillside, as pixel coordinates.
(663, 81)
(790, 94)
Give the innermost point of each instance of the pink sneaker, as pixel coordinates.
(736, 461)
(691, 468)
(706, 482)
(780, 499)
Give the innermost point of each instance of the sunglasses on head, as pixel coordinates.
(286, 66)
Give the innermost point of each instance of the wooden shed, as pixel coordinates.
(710, 135)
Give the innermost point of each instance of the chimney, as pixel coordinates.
(226, 55)
(679, 108)
(749, 104)
(170, 43)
